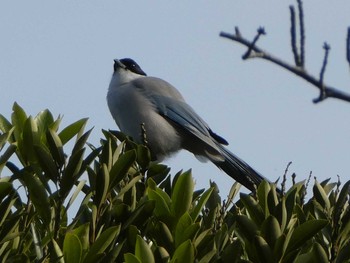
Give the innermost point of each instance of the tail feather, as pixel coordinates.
(239, 170)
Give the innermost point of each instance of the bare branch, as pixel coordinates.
(322, 96)
(299, 56)
(329, 91)
(293, 35)
(260, 31)
(348, 46)
(302, 33)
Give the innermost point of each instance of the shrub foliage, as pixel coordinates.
(131, 210)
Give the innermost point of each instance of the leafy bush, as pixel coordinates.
(132, 211)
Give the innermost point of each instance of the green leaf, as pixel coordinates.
(184, 253)
(6, 137)
(81, 141)
(102, 184)
(82, 232)
(57, 252)
(130, 258)
(72, 249)
(184, 222)
(316, 254)
(319, 254)
(55, 146)
(38, 195)
(344, 254)
(121, 167)
(158, 172)
(279, 248)
(5, 189)
(9, 230)
(43, 121)
(342, 198)
(5, 125)
(253, 208)
(143, 251)
(18, 117)
(47, 164)
(201, 203)
(76, 192)
(30, 138)
(130, 185)
(5, 209)
(321, 195)
(70, 131)
(245, 227)
(263, 192)
(140, 214)
(263, 249)
(143, 156)
(161, 254)
(71, 172)
(304, 232)
(182, 194)
(163, 235)
(6, 156)
(162, 209)
(101, 244)
(271, 230)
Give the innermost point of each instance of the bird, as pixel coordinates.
(170, 124)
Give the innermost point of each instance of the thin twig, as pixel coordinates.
(293, 36)
(260, 31)
(302, 33)
(329, 91)
(322, 96)
(348, 46)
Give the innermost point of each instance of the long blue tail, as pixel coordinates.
(239, 170)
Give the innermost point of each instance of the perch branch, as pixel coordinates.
(299, 55)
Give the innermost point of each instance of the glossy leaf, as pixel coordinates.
(304, 232)
(47, 163)
(246, 227)
(162, 209)
(182, 194)
(56, 147)
(130, 258)
(143, 251)
(271, 230)
(72, 249)
(70, 131)
(321, 195)
(121, 167)
(263, 250)
(253, 208)
(5, 125)
(201, 203)
(38, 195)
(184, 253)
(101, 244)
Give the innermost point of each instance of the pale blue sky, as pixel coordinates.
(59, 55)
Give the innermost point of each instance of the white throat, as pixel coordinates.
(122, 76)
